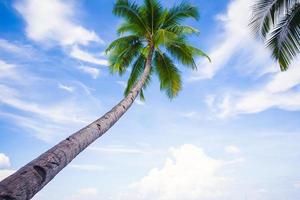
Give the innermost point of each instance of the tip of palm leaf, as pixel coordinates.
(283, 68)
(208, 58)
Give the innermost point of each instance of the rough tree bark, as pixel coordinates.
(31, 178)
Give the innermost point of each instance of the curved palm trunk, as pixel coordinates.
(31, 178)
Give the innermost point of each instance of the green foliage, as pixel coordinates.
(152, 28)
(280, 20)
(168, 74)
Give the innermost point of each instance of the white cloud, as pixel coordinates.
(57, 113)
(277, 92)
(232, 149)
(87, 167)
(4, 161)
(45, 118)
(54, 21)
(63, 29)
(7, 70)
(16, 49)
(79, 54)
(188, 174)
(85, 193)
(66, 88)
(4, 164)
(93, 72)
(236, 40)
(5, 173)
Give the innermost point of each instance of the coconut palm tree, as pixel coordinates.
(152, 41)
(278, 22)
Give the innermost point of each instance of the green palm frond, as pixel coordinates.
(136, 71)
(131, 12)
(123, 42)
(176, 14)
(285, 39)
(183, 30)
(266, 13)
(169, 75)
(130, 28)
(164, 37)
(153, 12)
(185, 53)
(122, 56)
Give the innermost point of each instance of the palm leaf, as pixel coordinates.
(180, 12)
(131, 28)
(130, 11)
(122, 56)
(285, 39)
(136, 71)
(153, 12)
(183, 30)
(265, 13)
(169, 75)
(164, 37)
(123, 42)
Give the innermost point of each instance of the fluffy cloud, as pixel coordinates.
(4, 161)
(236, 40)
(5, 173)
(188, 174)
(54, 21)
(4, 165)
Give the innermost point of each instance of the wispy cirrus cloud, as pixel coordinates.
(280, 91)
(46, 118)
(66, 88)
(92, 71)
(235, 41)
(79, 54)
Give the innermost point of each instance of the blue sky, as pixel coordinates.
(233, 132)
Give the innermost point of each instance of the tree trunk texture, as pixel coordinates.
(31, 178)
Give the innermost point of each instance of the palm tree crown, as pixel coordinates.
(278, 22)
(151, 32)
